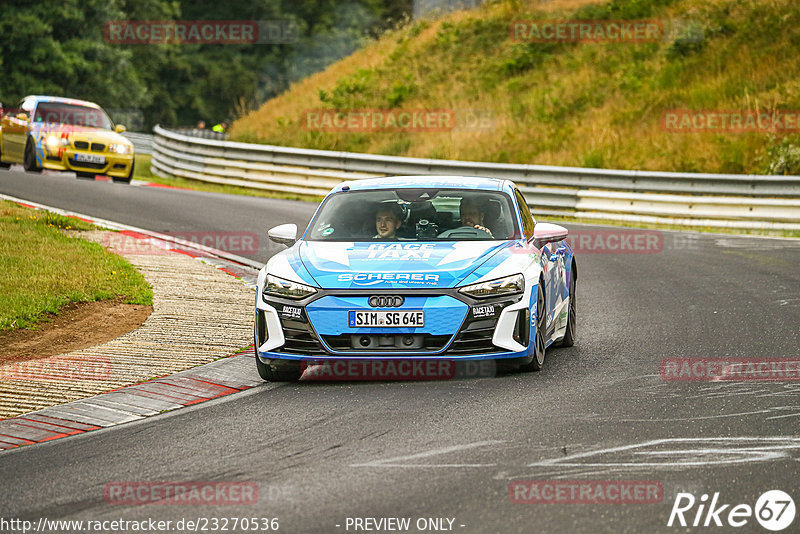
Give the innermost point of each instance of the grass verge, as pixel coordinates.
(45, 269)
(562, 103)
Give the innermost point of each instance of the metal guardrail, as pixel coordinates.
(718, 200)
(142, 142)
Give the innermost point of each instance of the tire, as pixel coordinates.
(3, 165)
(537, 359)
(128, 179)
(283, 372)
(572, 316)
(29, 161)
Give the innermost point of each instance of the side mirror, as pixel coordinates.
(544, 233)
(119, 128)
(285, 234)
(22, 116)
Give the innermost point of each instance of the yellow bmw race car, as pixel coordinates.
(64, 134)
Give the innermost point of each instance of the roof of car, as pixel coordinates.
(441, 182)
(42, 98)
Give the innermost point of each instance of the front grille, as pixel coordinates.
(300, 339)
(83, 145)
(345, 343)
(476, 338)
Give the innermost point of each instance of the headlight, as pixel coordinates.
(509, 285)
(120, 149)
(54, 142)
(284, 288)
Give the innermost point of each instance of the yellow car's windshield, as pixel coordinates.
(72, 114)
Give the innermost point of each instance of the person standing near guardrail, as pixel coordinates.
(220, 128)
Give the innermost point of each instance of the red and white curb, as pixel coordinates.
(132, 403)
(138, 401)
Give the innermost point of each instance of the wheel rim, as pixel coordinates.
(541, 322)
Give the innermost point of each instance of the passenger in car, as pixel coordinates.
(387, 220)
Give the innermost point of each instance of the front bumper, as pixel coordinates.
(456, 327)
(63, 159)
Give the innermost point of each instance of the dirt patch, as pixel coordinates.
(78, 326)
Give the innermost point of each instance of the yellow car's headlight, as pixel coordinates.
(54, 142)
(120, 148)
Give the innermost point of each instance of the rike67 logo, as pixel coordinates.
(774, 510)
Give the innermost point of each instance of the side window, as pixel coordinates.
(527, 219)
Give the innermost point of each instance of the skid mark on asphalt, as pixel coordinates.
(397, 461)
(680, 453)
(734, 389)
(675, 455)
(795, 412)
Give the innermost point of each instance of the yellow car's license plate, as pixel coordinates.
(90, 158)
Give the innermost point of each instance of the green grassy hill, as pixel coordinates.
(576, 104)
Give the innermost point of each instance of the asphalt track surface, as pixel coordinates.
(324, 452)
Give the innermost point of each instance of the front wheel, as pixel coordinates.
(572, 316)
(29, 161)
(3, 165)
(539, 340)
(283, 372)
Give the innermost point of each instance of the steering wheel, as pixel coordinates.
(465, 231)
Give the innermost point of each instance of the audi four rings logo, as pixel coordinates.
(386, 301)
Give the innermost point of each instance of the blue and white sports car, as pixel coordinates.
(418, 267)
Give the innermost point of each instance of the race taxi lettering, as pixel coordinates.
(400, 251)
(483, 311)
(292, 312)
(388, 277)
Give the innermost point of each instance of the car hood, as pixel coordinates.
(79, 133)
(394, 265)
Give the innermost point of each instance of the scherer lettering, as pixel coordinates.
(388, 277)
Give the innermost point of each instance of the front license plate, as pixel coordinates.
(409, 318)
(90, 158)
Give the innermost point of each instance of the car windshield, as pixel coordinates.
(72, 114)
(420, 214)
